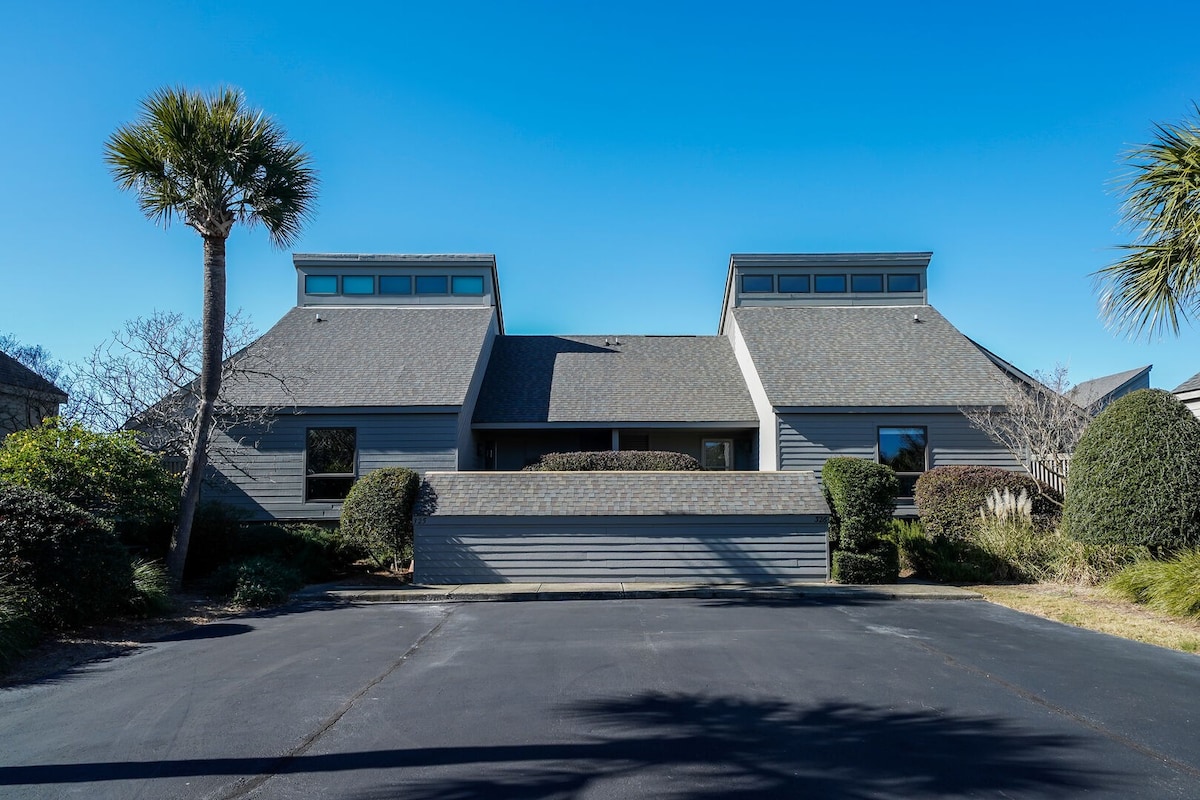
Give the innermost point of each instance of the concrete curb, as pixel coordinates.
(513, 592)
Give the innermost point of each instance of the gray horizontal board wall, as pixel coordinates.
(573, 549)
(807, 441)
(263, 473)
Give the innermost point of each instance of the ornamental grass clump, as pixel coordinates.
(1171, 586)
(861, 496)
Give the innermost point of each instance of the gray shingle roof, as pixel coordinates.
(866, 356)
(538, 379)
(591, 494)
(1106, 387)
(1190, 385)
(15, 375)
(367, 357)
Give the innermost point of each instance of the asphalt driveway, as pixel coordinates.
(672, 698)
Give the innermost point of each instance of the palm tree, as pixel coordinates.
(1157, 283)
(211, 161)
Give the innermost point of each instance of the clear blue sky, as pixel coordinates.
(612, 155)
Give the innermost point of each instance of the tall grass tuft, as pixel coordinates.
(1171, 586)
(151, 589)
(18, 632)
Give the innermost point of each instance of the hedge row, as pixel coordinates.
(862, 497)
(949, 498)
(615, 460)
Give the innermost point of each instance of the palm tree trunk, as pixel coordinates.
(213, 327)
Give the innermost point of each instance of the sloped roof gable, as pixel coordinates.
(588, 379)
(867, 356)
(371, 356)
(15, 375)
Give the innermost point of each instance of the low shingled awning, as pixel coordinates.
(704, 527)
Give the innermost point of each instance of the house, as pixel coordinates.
(404, 360)
(1096, 394)
(1189, 393)
(26, 398)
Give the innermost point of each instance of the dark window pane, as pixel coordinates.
(328, 488)
(904, 283)
(431, 284)
(793, 283)
(395, 284)
(758, 283)
(320, 284)
(358, 284)
(466, 284)
(831, 283)
(866, 283)
(331, 451)
(903, 449)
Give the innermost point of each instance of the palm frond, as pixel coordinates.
(212, 161)
(1156, 285)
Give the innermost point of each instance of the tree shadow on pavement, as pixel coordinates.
(686, 746)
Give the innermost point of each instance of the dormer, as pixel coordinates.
(361, 279)
(792, 280)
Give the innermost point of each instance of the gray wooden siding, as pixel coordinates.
(806, 441)
(264, 473)
(711, 549)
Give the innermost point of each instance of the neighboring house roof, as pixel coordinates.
(477, 494)
(591, 379)
(16, 376)
(1192, 384)
(867, 356)
(1102, 391)
(374, 356)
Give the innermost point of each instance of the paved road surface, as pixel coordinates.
(721, 698)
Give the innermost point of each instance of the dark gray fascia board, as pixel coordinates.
(520, 426)
(400, 259)
(899, 260)
(300, 410)
(867, 410)
(59, 397)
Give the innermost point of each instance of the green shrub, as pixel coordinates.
(1009, 550)
(106, 474)
(861, 496)
(1135, 476)
(66, 565)
(18, 632)
(257, 582)
(879, 564)
(151, 589)
(315, 552)
(216, 531)
(949, 498)
(377, 514)
(1171, 586)
(615, 460)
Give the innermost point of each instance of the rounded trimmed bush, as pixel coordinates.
(377, 514)
(257, 582)
(1135, 476)
(67, 565)
(949, 498)
(861, 496)
(616, 461)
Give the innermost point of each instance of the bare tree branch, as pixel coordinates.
(1040, 424)
(146, 378)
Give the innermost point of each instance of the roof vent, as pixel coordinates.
(917, 318)
(319, 317)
